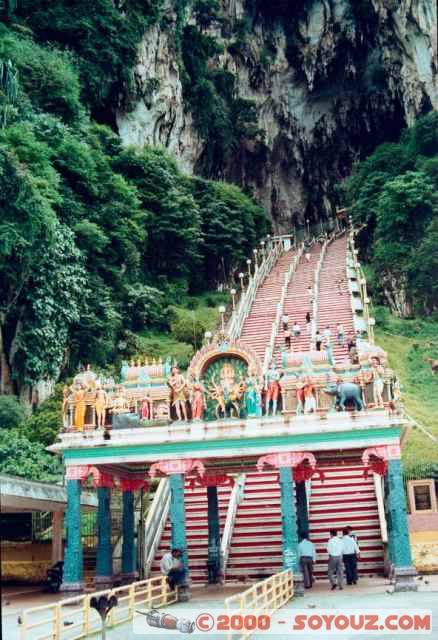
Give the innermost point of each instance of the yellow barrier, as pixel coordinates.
(73, 618)
(265, 596)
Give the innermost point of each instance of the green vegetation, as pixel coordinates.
(409, 344)
(20, 457)
(11, 412)
(97, 241)
(393, 194)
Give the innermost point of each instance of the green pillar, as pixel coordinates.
(129, 555)
(73, 579)
(178, 523)
(400, 548)
(302, 514)
(214, 536)
(104, 551)
(289, 528)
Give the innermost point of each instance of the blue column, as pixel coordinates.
(73, 579)
(289, 527)
(129, 555)
(104, 551)
(400, 548)
(302, 514)
(178, 520)
(214, 536)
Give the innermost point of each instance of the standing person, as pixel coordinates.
(308, 324)
(351, 344)
(353, 535)
(334, 549)
(341, 334)
(171, 566)
(318, 341)
(310, 294)
(285, 321)
(327, 333)
(287, 340)
(307, 556)
(296, 329)
(350, 551)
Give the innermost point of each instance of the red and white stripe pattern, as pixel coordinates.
(256, 330)
(346, 498)
(196, 507)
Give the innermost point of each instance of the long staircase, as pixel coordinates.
(197, 531)
(256, 546)
(257, 328)
(334, 301)
(346, 498)
(297, 304)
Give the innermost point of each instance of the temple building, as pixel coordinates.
(288, 421)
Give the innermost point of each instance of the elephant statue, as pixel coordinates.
(345, 392)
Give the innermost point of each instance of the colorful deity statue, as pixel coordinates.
(146, 408)
(178, 393)
(272, 388)
(377, 378)
(100, 403)
(309, 396)
(120, 403)
(197, 400)
(253, 394)
(79, 407)
(227, 393)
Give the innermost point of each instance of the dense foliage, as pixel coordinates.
(393, 194)
(96, 240)
(20, 457)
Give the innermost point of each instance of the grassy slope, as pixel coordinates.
(408, 344)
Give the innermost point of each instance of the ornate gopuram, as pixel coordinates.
(256, 442)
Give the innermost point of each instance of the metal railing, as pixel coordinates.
(314, 322)
(264, 597)
(155, 523)
(280, 306)
(242, 310)
(74, 618)
(236, 498)
(362, 289)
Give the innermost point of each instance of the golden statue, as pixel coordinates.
(100, 402)
(79, 407)
(178, 393)
(120, 402)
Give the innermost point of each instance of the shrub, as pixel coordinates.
(12, 412)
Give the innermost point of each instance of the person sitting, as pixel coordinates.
(296, 329)
(171, 566)
(307, 556)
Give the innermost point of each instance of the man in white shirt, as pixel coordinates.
(296, 329)
(350, 552)
(334, 549)
(307, 556)
(171, 566)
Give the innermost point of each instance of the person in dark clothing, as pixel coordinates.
(318, 341)
(171, 565)
(350, 552)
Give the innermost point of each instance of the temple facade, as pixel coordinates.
(288, 421)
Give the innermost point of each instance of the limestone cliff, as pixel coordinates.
(329, 79)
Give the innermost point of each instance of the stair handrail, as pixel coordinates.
(246, 301)
(314, 321)
(236, 498)
(362, 288)
(155, 523)
(378, 489)
(269, 351)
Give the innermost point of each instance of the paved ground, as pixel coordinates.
(367, 596)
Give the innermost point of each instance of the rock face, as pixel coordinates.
(330, 79)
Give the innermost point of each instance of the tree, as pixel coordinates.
(20, 457)
(11, 412)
